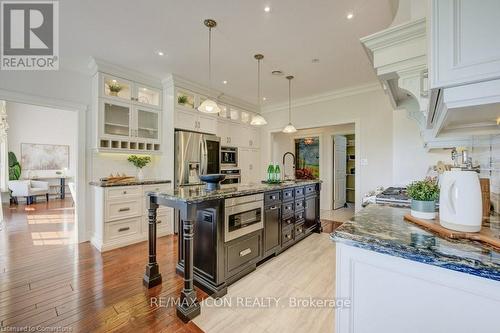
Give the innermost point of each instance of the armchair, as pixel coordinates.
(29, 189)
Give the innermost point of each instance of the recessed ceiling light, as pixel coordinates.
(315, 61)
(267, 9)
(263, 98)
(225, 82)
(350, 16)
(160, 53)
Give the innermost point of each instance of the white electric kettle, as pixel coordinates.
(460, 203)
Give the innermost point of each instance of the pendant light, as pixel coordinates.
(289, 128)
(257, 119)
(208, 105)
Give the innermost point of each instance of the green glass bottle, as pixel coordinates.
(277, 173)
(270, 173)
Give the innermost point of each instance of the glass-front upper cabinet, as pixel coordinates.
(147, 124)
(224, 111)
(185, 99)
(147, 95)
(116, 118)
(117, 88)
(245, 117)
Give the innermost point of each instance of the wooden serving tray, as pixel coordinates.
(485, 235)
(111, 180)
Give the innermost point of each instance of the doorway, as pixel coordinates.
(40, 164)
(344, 159)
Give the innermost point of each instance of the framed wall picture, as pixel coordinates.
(44, 156)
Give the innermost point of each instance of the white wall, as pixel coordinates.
(282, 143)
(410, 159)
(35, 124)
(104, 164)
(372, 114)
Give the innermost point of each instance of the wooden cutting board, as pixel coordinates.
(485, 235)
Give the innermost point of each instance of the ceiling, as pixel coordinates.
(129, 33)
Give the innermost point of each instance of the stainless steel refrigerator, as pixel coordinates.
(195, 154)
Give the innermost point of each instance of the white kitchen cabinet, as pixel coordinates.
(126, 114)
(193, 121)
(121, 215)
(464, 68)
(249, 164)
(127, 126)
(120, 89)
(464, 42)
(232, 134)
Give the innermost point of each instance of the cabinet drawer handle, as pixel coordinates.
(158, 221)
(126, 209)
(288, 236)
(245, 252)
(124, 192)
(123, 229)
(273, 208)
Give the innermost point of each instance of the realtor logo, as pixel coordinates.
(30, 35)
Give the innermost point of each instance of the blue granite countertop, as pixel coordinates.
(198, 193)
(382, 229)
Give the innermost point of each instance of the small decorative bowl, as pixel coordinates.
(212, 181)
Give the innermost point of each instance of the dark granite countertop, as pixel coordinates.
(382, 229)
(194, 194)
(130, 182)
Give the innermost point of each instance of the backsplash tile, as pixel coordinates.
(486, 154)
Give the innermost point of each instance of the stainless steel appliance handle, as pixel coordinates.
(204, 156)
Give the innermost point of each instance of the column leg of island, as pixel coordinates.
(188, 307)
(152, 276)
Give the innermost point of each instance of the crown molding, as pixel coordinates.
(325, 97)
(395, 35)
(100, 65)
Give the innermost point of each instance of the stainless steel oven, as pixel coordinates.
(243, 215)
(233, 176)
(228, 157)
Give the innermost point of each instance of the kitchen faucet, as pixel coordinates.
(284, 168)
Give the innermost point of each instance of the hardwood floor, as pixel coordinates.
(48, 280)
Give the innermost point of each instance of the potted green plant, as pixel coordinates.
(139, 162)
(115, 88)
(182, 99)
(423, 194)
(14, 167)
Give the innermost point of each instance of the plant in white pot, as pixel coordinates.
(423, 194)
(139, 162)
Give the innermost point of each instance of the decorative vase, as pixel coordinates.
(423, 209)
(140, 174)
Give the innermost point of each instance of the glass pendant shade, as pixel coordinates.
(258, 120)
(289, 129)
(209, 106)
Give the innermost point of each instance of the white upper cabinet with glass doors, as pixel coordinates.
(128, 115)
(124, 90)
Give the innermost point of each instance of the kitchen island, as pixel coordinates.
(401, 278)
(224, 234)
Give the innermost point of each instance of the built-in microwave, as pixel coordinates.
(233, 176)
(243, 215)
(228, 157)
